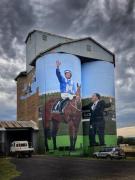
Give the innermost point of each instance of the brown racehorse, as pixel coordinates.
(71, 115)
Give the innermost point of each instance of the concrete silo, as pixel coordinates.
(98, 77)
(92, 69)
(60, 99)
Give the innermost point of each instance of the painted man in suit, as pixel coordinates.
(97, 123)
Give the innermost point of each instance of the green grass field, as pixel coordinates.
(7, 169)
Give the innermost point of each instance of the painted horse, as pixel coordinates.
(71, 114)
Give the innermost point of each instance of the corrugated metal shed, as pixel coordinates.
(77, 51)
(38, 41)
(36, 30)
(17, 125)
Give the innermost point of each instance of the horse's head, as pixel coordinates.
(78, 92)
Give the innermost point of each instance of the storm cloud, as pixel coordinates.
(112, 23)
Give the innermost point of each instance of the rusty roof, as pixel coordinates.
(18, 125)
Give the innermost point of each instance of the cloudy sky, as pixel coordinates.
(111, 22)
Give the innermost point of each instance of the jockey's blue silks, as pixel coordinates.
(66, 85)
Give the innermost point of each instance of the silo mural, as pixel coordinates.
(98, 104)
(59, 80)
(76, 104)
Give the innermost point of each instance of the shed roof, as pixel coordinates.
(18, 125)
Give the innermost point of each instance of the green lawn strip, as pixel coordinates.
(7, 169)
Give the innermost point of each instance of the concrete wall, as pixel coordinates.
(2, 142)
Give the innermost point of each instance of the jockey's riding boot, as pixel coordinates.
(62, 104)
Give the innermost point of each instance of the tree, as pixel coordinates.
(120, 140)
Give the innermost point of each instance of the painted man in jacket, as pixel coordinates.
(97, 123)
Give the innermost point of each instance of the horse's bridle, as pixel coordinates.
(75, 107)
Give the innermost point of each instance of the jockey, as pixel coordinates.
(67, 86)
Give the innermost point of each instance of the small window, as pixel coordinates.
(23, 144)
(44, 37)
(88, 47)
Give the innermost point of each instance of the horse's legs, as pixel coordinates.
(73, 130)
(75, 136)
(55, 127)
(76, 127)
(72, 142)
(72, 135)
(47, 135)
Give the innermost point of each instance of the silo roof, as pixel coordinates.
(72, 41)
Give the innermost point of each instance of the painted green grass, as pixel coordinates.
(65, 141)
(82, 144)
(110, 140)
(7, 169)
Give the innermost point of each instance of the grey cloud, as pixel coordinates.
(110, 22)
(126, 121)
(8, 72)
(60, 14)
(16, 19)
(7, 112)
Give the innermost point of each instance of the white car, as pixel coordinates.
(110, 153)
(21, 148)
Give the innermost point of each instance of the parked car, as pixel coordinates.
(110, 153)
(21, 148)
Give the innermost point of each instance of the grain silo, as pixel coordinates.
(98, 77)
(63, 72)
